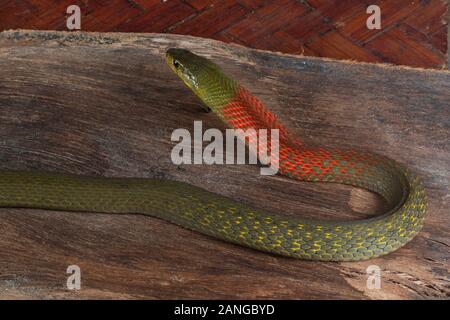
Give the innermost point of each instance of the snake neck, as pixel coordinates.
(239, 109)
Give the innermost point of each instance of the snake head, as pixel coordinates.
(202, 76)
(188, 66)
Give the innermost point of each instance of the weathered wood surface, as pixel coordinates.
(106, 104)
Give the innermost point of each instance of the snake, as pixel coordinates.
(223, 218)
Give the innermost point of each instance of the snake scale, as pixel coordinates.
(197, 209)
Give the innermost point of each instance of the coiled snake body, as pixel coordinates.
(223, 218)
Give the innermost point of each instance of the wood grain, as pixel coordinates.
(106, 104)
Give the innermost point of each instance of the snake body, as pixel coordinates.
(197, 209)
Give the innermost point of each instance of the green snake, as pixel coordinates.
(223, 218)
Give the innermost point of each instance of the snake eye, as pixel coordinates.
(176, 63)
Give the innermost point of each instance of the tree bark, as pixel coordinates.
(106, 104)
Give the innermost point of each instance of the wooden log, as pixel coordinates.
(106, 104)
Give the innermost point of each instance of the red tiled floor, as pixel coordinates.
(102, 14)
(200, 4)
(400, 44)
(255, 4)
(267, 20)
(414, 32)
(284, 42)
(145, 4)
(157, 18)
(334, 44)
(425, 20)
(308, 27)
(391, 13)
(212, 21)
(439, 39)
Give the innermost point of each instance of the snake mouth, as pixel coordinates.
(175, 58)
(170, 59)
